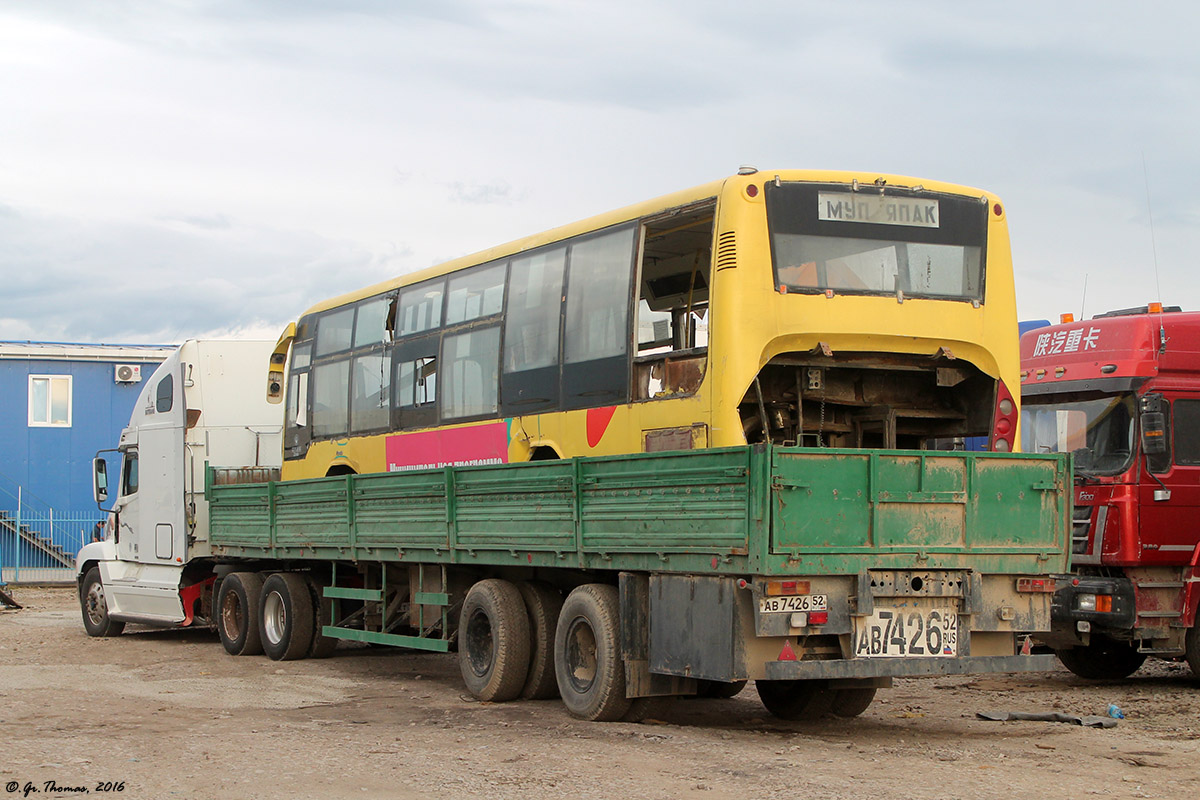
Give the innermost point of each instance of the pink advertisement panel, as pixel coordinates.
(479, 444)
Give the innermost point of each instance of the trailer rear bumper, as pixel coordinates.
(907, 667)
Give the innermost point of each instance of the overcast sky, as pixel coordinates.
(184, 168)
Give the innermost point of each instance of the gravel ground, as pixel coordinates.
(163, 714)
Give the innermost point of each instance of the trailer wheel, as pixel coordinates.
(543, 604)
(718, 690)
(796, 700)
(1102, 659)
(644, 708)
(322, 645)
(287, 617)
(852, 702)
(95, 610)
(1192, 647)
(237, 613)
(587, 654)
(493, 641)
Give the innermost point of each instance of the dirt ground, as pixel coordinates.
(167, 714)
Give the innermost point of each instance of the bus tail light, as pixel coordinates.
(1004, 424)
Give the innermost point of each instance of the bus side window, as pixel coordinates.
(328, 389)
(296, 433)
(469, 381)
(419, 308)
(672, 324)
(595, 368)
(532, 320)
(372, 326)
(370, 395)
(415, 383)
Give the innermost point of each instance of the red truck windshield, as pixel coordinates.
(1098, 432)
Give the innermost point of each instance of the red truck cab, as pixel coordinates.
(1121, 392)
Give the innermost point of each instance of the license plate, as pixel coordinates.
(909, 632)
(793, 602)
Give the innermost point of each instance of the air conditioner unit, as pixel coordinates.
(128, 373)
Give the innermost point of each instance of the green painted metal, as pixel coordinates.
(742, 510)
(394, 639)
(350, 593)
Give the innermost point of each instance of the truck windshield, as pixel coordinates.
(1098, 432)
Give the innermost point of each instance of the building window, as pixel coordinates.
(50, 401)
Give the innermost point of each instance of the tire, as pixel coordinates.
(542, 604)
(587, 654)
(644, 708)
(1192, 647)
(95, 608)
(796, 700)
(493, 641)
(718, 690)
(237, 614)
(322, 645)
(849, 703)
(1103, 659)
(286, 612)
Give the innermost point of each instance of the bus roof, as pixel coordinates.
(678, 199)
(1077, 356)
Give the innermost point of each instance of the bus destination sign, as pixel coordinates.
(911, 211)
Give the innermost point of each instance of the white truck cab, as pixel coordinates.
(202, 406)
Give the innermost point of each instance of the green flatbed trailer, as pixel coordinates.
(820, 574)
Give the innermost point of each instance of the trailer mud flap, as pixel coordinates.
(696, 627)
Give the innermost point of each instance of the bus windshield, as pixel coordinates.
(916, 243)
(1098, 432)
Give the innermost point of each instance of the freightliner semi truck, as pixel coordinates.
(1121, 391)
(818, 573)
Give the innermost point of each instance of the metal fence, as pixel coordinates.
(37, 543)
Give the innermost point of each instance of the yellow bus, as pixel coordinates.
(816, 308)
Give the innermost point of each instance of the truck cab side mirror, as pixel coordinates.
(1154, 425)
(99, 480)
(1156, 443)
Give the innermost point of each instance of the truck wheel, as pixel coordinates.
(95, 611)
(493, 641)
(543, 604)
(644, 708)
(587, 654)
(718, 690)
(287, 617)
(322, 645)
(237, 614)
(1192, 647)
(852, 702)
(1103, 659)
(796, 700)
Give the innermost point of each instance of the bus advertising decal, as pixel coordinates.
(470, 446)
(597, 423)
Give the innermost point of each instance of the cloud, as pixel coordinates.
(126, 282)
